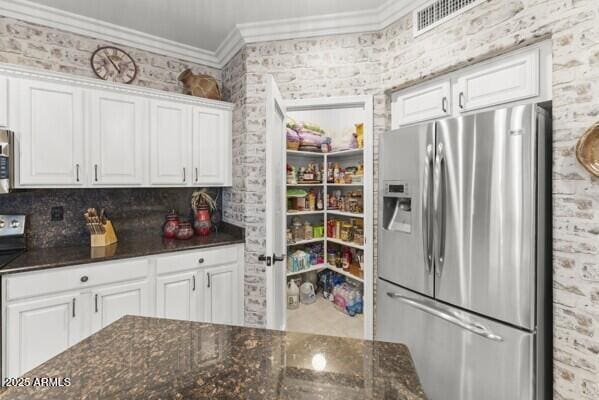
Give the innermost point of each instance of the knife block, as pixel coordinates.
(104, 239)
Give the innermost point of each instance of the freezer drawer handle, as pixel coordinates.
(478, 329)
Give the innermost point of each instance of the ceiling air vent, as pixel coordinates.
(436, 12)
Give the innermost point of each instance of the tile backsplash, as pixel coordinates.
(134, 212)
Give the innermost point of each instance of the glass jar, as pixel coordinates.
(298, 229)
(307, 230)
(184, 231)
(346, 232)
(331, 257)
(359, 236)
(169, 229)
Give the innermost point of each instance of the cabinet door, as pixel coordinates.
(170, 138)
(117, 300)
(421, 103)
(3, 101)
(211, 146)
(118, 123)
(37, 330)
(501, 81)
(221, 296)
(176, 296)
(49, 131)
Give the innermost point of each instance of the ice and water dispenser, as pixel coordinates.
(397, 207)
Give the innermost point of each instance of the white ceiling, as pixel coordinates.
(202, 23)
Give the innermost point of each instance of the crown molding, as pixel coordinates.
(292, 28)
(373, 20)
(75, 23)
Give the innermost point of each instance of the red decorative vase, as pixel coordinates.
(202, 222)
(184, 231)
(169, 230)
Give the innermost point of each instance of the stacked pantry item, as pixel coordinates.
(325, 211)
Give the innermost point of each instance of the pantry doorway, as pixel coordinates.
(319, 214)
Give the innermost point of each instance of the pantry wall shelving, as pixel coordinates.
(337, 116)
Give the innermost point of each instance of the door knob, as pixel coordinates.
(268, 260)
(278, 258)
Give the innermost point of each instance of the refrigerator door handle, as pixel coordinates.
(426, 200)
(473, 327)
(439, 188)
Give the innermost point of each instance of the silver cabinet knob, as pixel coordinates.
(201, 261)
(84, 278)
(14, 223)
(2, 224)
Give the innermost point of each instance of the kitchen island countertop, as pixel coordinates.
(150, 358)
(126, 247)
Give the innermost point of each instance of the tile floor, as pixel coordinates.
(322, 318)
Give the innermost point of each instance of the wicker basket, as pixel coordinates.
(293, 145)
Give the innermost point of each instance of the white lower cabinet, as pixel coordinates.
(45, 312)
(220, 299)
(176, 296)
(114, 301)
(38, 330)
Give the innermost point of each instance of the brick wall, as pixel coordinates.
(372, 63)
(52, 49)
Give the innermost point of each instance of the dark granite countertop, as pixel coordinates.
(139, 246)
(139, 358)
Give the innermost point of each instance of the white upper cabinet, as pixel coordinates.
(49, 130)
(211, 147)
(3, 101)
(79, 132)
(170, 138)
(118, 126)
(518, 77)
(501, 81)
(421, 103)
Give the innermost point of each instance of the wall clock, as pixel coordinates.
(113, 64)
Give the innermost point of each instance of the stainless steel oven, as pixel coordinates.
(6, 161)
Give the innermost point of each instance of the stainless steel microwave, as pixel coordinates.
(6, 161)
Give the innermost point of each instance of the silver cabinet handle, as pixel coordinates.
(74, 307)
(444, 104)
(440, 190)
(427, 228)
(208, 276)
(461, 100)
(193, 283)
(183, 174)
(196, 171)
(77, 172)
(475, 328)
(96, 172)
(96, 302)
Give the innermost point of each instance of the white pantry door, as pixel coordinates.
(275, 207)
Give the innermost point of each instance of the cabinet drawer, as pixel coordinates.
(79, 277)
(195, 259)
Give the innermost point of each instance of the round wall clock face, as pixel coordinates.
(113, 64)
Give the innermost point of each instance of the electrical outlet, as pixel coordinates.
(57, 213)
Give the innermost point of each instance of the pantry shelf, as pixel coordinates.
(316, 267)
(344, 272)
(345, 184)
(289, 213)
(305, 185)
(301, 242)
(305, 153)
(348, 244)
(345, 214)
(352, 152)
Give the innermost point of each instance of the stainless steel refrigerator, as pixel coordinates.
(464, 268)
